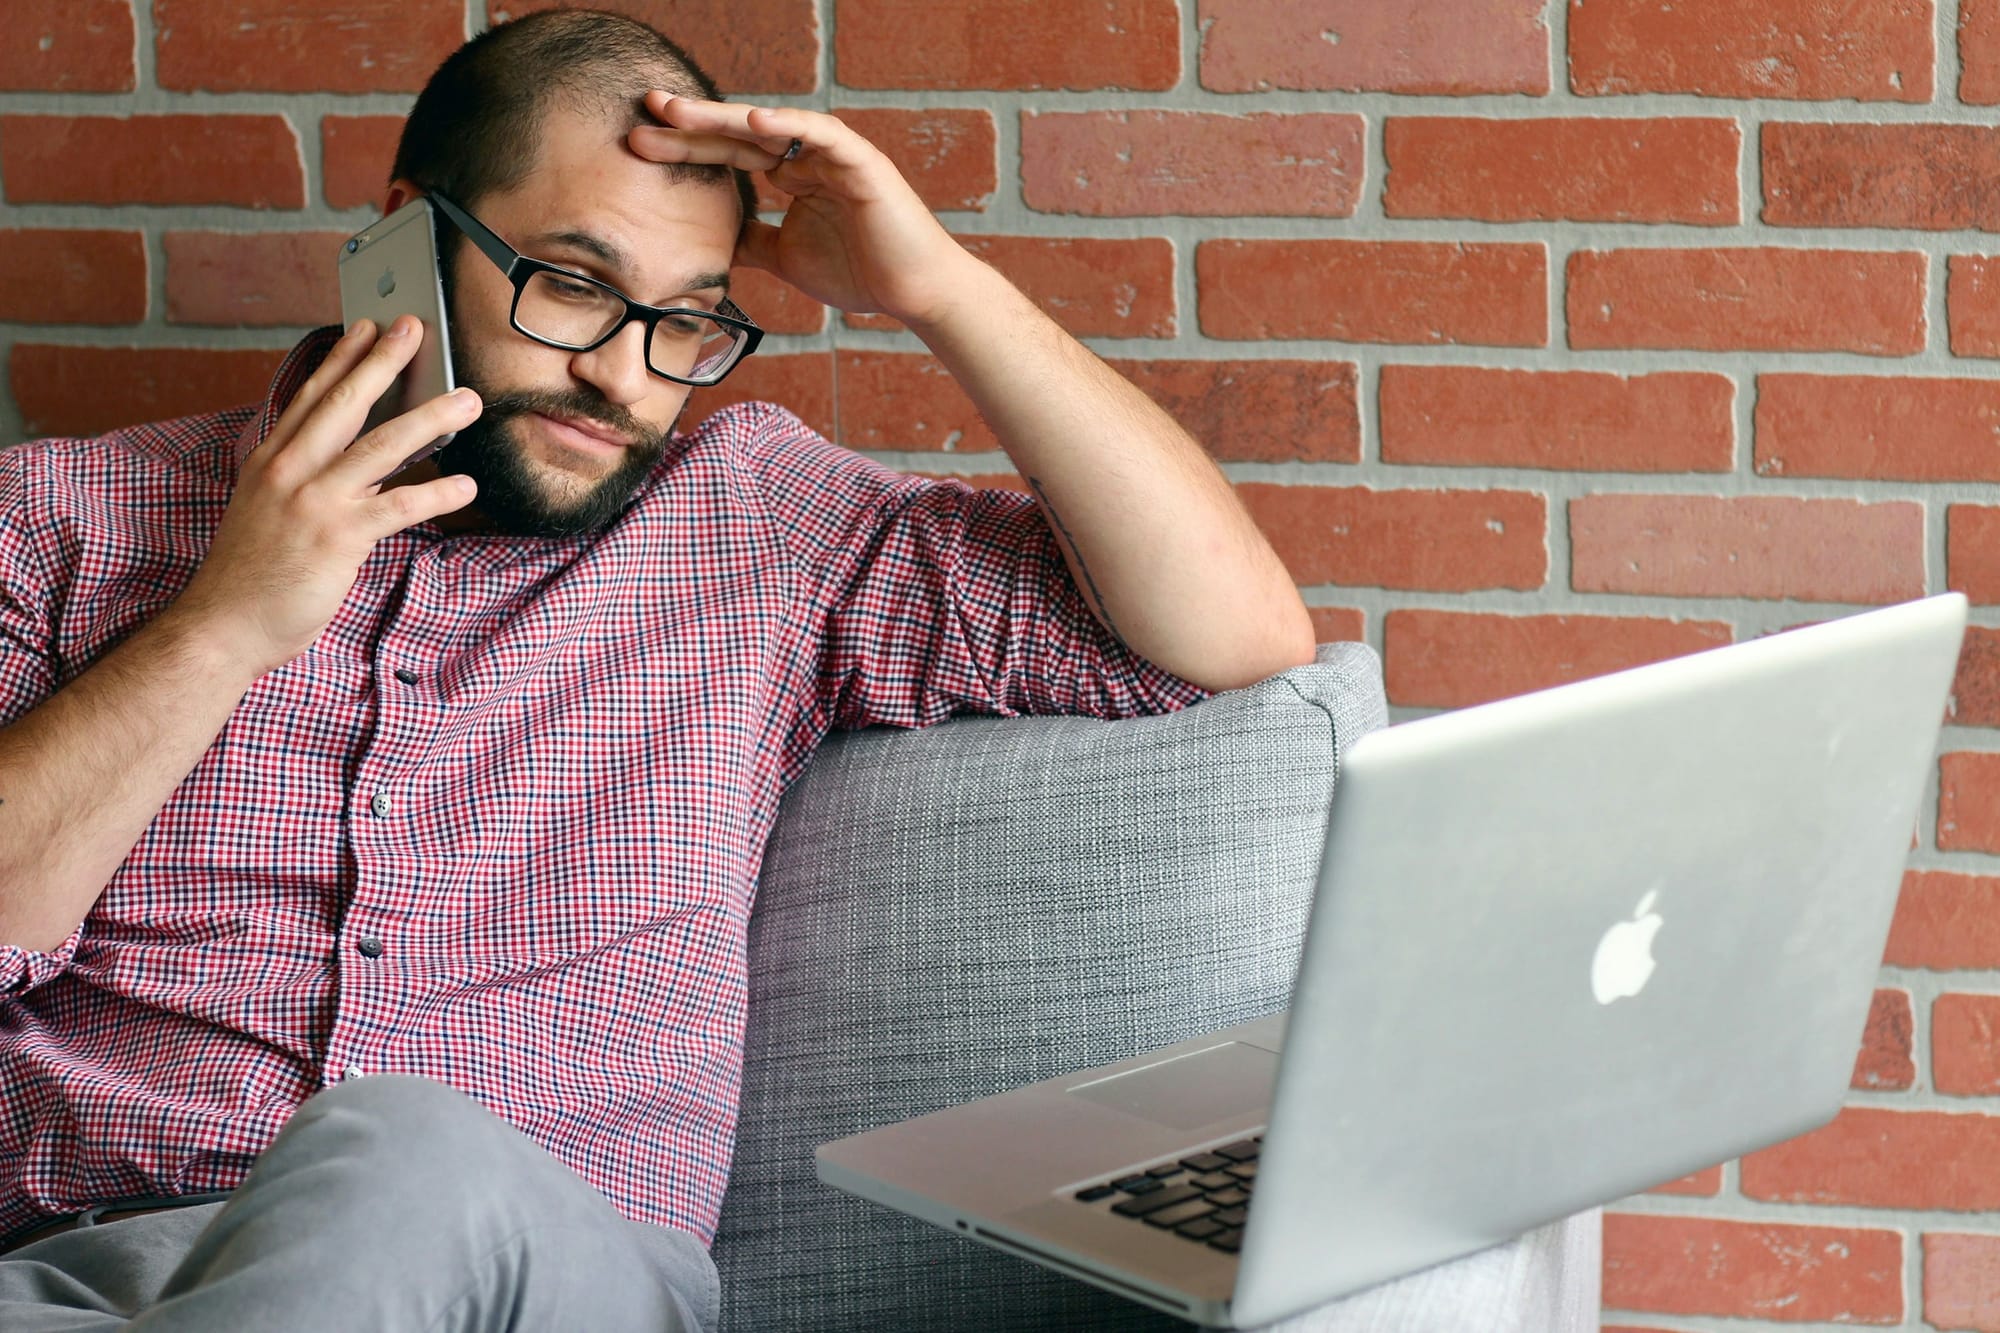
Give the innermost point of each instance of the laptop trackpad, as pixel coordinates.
(1191, 1090)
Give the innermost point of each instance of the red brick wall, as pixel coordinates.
(1543, 337)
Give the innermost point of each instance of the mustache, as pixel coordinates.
(580, 402)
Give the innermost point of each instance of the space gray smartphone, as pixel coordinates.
(391, 269)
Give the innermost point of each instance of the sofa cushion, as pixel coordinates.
(950, 912)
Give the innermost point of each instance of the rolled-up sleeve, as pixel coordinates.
(938, 598)
(27, 671)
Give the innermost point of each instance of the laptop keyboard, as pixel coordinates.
(1203, 1197)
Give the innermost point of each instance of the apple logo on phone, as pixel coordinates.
(1624, 961)
(386, 283)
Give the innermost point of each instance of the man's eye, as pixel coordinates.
(687, 326)
(574, 291)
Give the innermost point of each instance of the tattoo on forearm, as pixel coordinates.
(1089, 584)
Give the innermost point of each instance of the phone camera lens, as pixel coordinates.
(352, 246)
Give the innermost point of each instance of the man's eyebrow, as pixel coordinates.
(618, 262)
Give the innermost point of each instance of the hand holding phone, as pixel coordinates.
(308, 505)
(391, 269)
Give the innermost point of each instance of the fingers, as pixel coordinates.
(657, 144)
(331, 424)
(382, 450)
(400, 506)
(341, 358)
(770, 129)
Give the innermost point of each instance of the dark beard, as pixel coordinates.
(509, 495)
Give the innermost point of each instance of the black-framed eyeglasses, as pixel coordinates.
(563, 308)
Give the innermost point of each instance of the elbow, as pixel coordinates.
(1259, 659)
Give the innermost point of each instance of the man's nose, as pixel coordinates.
(618, 368)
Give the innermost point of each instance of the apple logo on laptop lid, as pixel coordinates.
(1624, 961)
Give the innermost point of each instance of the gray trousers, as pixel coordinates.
(387, 1203)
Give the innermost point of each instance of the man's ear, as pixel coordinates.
(401, 191)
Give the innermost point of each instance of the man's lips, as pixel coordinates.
(583, 431)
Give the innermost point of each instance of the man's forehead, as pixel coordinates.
(588, 192)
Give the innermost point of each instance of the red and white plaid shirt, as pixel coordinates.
(501, 824)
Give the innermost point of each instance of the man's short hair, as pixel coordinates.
(477, 126)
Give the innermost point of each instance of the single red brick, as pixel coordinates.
(1968, 802)
(1007, 44)
(63, 276)
(1979, 52)
(1706, 1182)
(1965, 1058)
(776, 305)
(1452, 659)
(1886, 1061)
(1338, 624)
(746, 46)
(1972, 304)
(1926, 177)
(1806, 50)
(1868, 1157)
(1563, 169)
(68, 46)
(1876, 427)
(248, 161)
(800, 381)
(1589, 420)
(1975, 694)
(1752, 1270)
(1749, 299)
(1092, 286)
(948, 154)
(1494, 295)
(1763, 547)
(1457, 47)
(341, 46)
(1192, 163)
(1259, 411)
(356, 155)
(1439, 541)
(274, 279)
(1109, 287)
(1946, 922)
(1962, 1282)
(89, 390)
(1972, 552)
(906, 400)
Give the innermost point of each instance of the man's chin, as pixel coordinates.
(533, 483)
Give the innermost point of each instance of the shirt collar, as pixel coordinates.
(293, 371)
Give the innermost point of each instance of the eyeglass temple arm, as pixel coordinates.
(502, 254)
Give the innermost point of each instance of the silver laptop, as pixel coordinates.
(1563, 947)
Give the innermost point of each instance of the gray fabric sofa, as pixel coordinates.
(950, 912)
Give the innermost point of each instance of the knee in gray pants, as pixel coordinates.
(394, 1202)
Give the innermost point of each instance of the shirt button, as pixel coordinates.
(379, 804)
(352, 1071)
(369, 947)
(407, 676)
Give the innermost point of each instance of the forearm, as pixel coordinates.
(1154, 536)
(82, 775)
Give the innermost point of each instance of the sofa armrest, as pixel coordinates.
(946, 913)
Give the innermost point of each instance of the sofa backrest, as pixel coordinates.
(950, 912)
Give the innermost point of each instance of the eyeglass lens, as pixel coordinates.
(686, 344)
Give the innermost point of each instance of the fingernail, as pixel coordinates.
(400, 329)
(465, 397)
